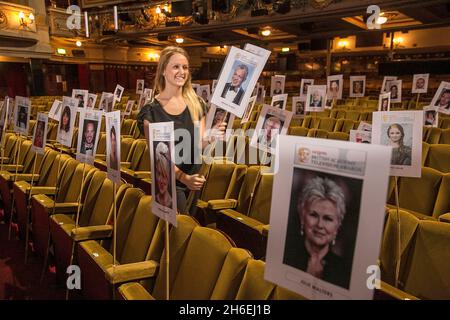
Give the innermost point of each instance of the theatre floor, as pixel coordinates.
(20, 281)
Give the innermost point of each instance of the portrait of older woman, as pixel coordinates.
(319, 206)
(163, 175)
(401, 154)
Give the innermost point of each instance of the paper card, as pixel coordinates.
(430, 117)
(298, 106)
(420, 83)
(82, 96)
(55, 110)
(92, 99)
(395, 88)
(305, 83)
(67, 121)
(88, 135)
(385, 85)
(140, 86)
(360, 136)
(277, 84)
(118, 92)
(384, 102)
(334, 86)
(40, 134)
(279, 101)
(316, 98)
(22, 115)
(113, 145)
(248, 110)
(441, 98)
(357, 86)
(215, 117)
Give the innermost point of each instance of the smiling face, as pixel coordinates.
(271, 124)
(162, 177)
(238, 77)
(320, 221)
(89, 133)
(395, 135)
(420, 83)
(445, 99)
(177, 70)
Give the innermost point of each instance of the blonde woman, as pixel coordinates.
(176, 101)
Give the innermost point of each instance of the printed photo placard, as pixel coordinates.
(118, 92)
(430, 117)
(22, 115)
(385, 85)
(88, 135)
(339, 182)
(4, 120)
(215, 117)
(248, 110)
(335, 85)
(204, 92)
(360, 136)
(67, 121)
(55, 110)
(384, 102)
(420, 83)
(279, 101)
(298, 106)
(106, 101)
(395, 88)
(40, 134)
(316, 98)
(401, 130)
(272, 123)
(81, 96)
(237, 79)
(162, 149)
(441, 98)
(364, 126)
(140, 85)
(305, 83)
(277, 85)
(92, 99)
(357, 86)
(129, 107)
(113, 145)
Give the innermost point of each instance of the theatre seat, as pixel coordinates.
(101, 147)
(70, 194)
(247, 229)
(428, 275)
(327, 124)
(434, 135)
(44, 183)
(94, 259)
(353, 115)
(138, 166)
(298, 131)
(338, 136)
(439, 157)
(317, 133)
(9, 148)
(127, 127)
(425, 150)
(126, 151)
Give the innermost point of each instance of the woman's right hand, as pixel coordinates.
(193, 182)
(218, 133)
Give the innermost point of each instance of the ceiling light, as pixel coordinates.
(61, 51)
(78, 43)
(158, 10)
(179, 40)
(266, 32)
(381, 20)
(398, 40)
(286, 49)
(343, 44)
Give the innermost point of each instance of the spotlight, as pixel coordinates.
(266, 32)
(179, 40)
(78, 43)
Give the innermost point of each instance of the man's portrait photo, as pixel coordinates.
(277, 85)
(236, 85)
(82, 96)
(139, 86)
(322, 225)
(88, 138)
(420, 83)
(304, 84)
(271, 128)
(357, 86)
(298, 106)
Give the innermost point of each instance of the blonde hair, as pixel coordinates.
(189, 95)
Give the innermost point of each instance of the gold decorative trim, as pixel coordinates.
(320, 4)
(3, 20)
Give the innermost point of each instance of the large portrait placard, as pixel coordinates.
(113, 145)
(357, 86)
(335, 85)
(327, 216)
(441, 98)
(67, 121)
(272, 123)
(420, 83)
(22, 115)
(88, 135)
(164, 194)
(237, 79)
(40, 134)
(402, 130)
(316, 98)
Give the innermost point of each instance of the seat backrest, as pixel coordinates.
(260, 207)
(419, 194)
(445, 136)
(65, 179)
(299, 131)
(24, 149)
(327, 124)
(49, 173)
(247, 188)
(352, 115)
(101, 146)
(236, 181)
(434, 135)
(253, 285)
(425, 150)
(142, 164)
(442, 204)
(338, 136)
(140, 234)
(307, 121)
(218, 180)
(127, 149)
(439, 157)
(196, 279)
(126, 127)
(428, 276)
(178, 239)
(99, 193)
(10, 143)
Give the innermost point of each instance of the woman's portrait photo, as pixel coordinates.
(113, 152)
(399, 136)
(22, 117)
(38, 140)
(64, 132)
(163, 174)
(430, 118)
(394, 92)
(384, 102)
(333, 89)
(322, 226)
(221, 117)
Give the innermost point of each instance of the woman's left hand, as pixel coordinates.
(217, 133)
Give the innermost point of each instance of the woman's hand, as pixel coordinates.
(217, 133)
(193, 182)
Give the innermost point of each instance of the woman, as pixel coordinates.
(39, 138)
(64, 126)
(177, 101)
(320, 209)
(401, 154)
(162, 167)
(113, 157)
(394, 92)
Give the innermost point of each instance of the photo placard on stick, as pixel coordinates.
(145, 98)
(215, 117)
(430, 117)
(360, 136)
(334, 86)
(272, 123)
(129, 107)
(113, 145)
(67, 121)
(441, 98)
(88, 135)
(40, 134)
(384, 102)
(346, 185)
(22, 115)
(357, 86)
(213, 86)
(364, 126)
(305, 83)
(118, 92)
(164, 194)
(204, 93)
(420, 83)
(402, 130)
(55, 110)
(385, 85)
(279, 101)
(263, 53)
(395, 88)
(140, 86)
(92, 99)
(237, 79)
(106, 101)
(298, 106)
(277, 83)
(316, 97)
(248, 110)
(81, 96)
(261, 94)
(4, 120)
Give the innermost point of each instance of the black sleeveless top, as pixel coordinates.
(188, 163)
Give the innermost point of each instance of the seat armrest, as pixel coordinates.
(92, 233)
(13, 167)
(388, 291)
(43, 190)
(142, 174)
(28, 177)
(444, 217)
(126, 165)
(265, 230)
(134, 291)
(222, 204)
(131, 271)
